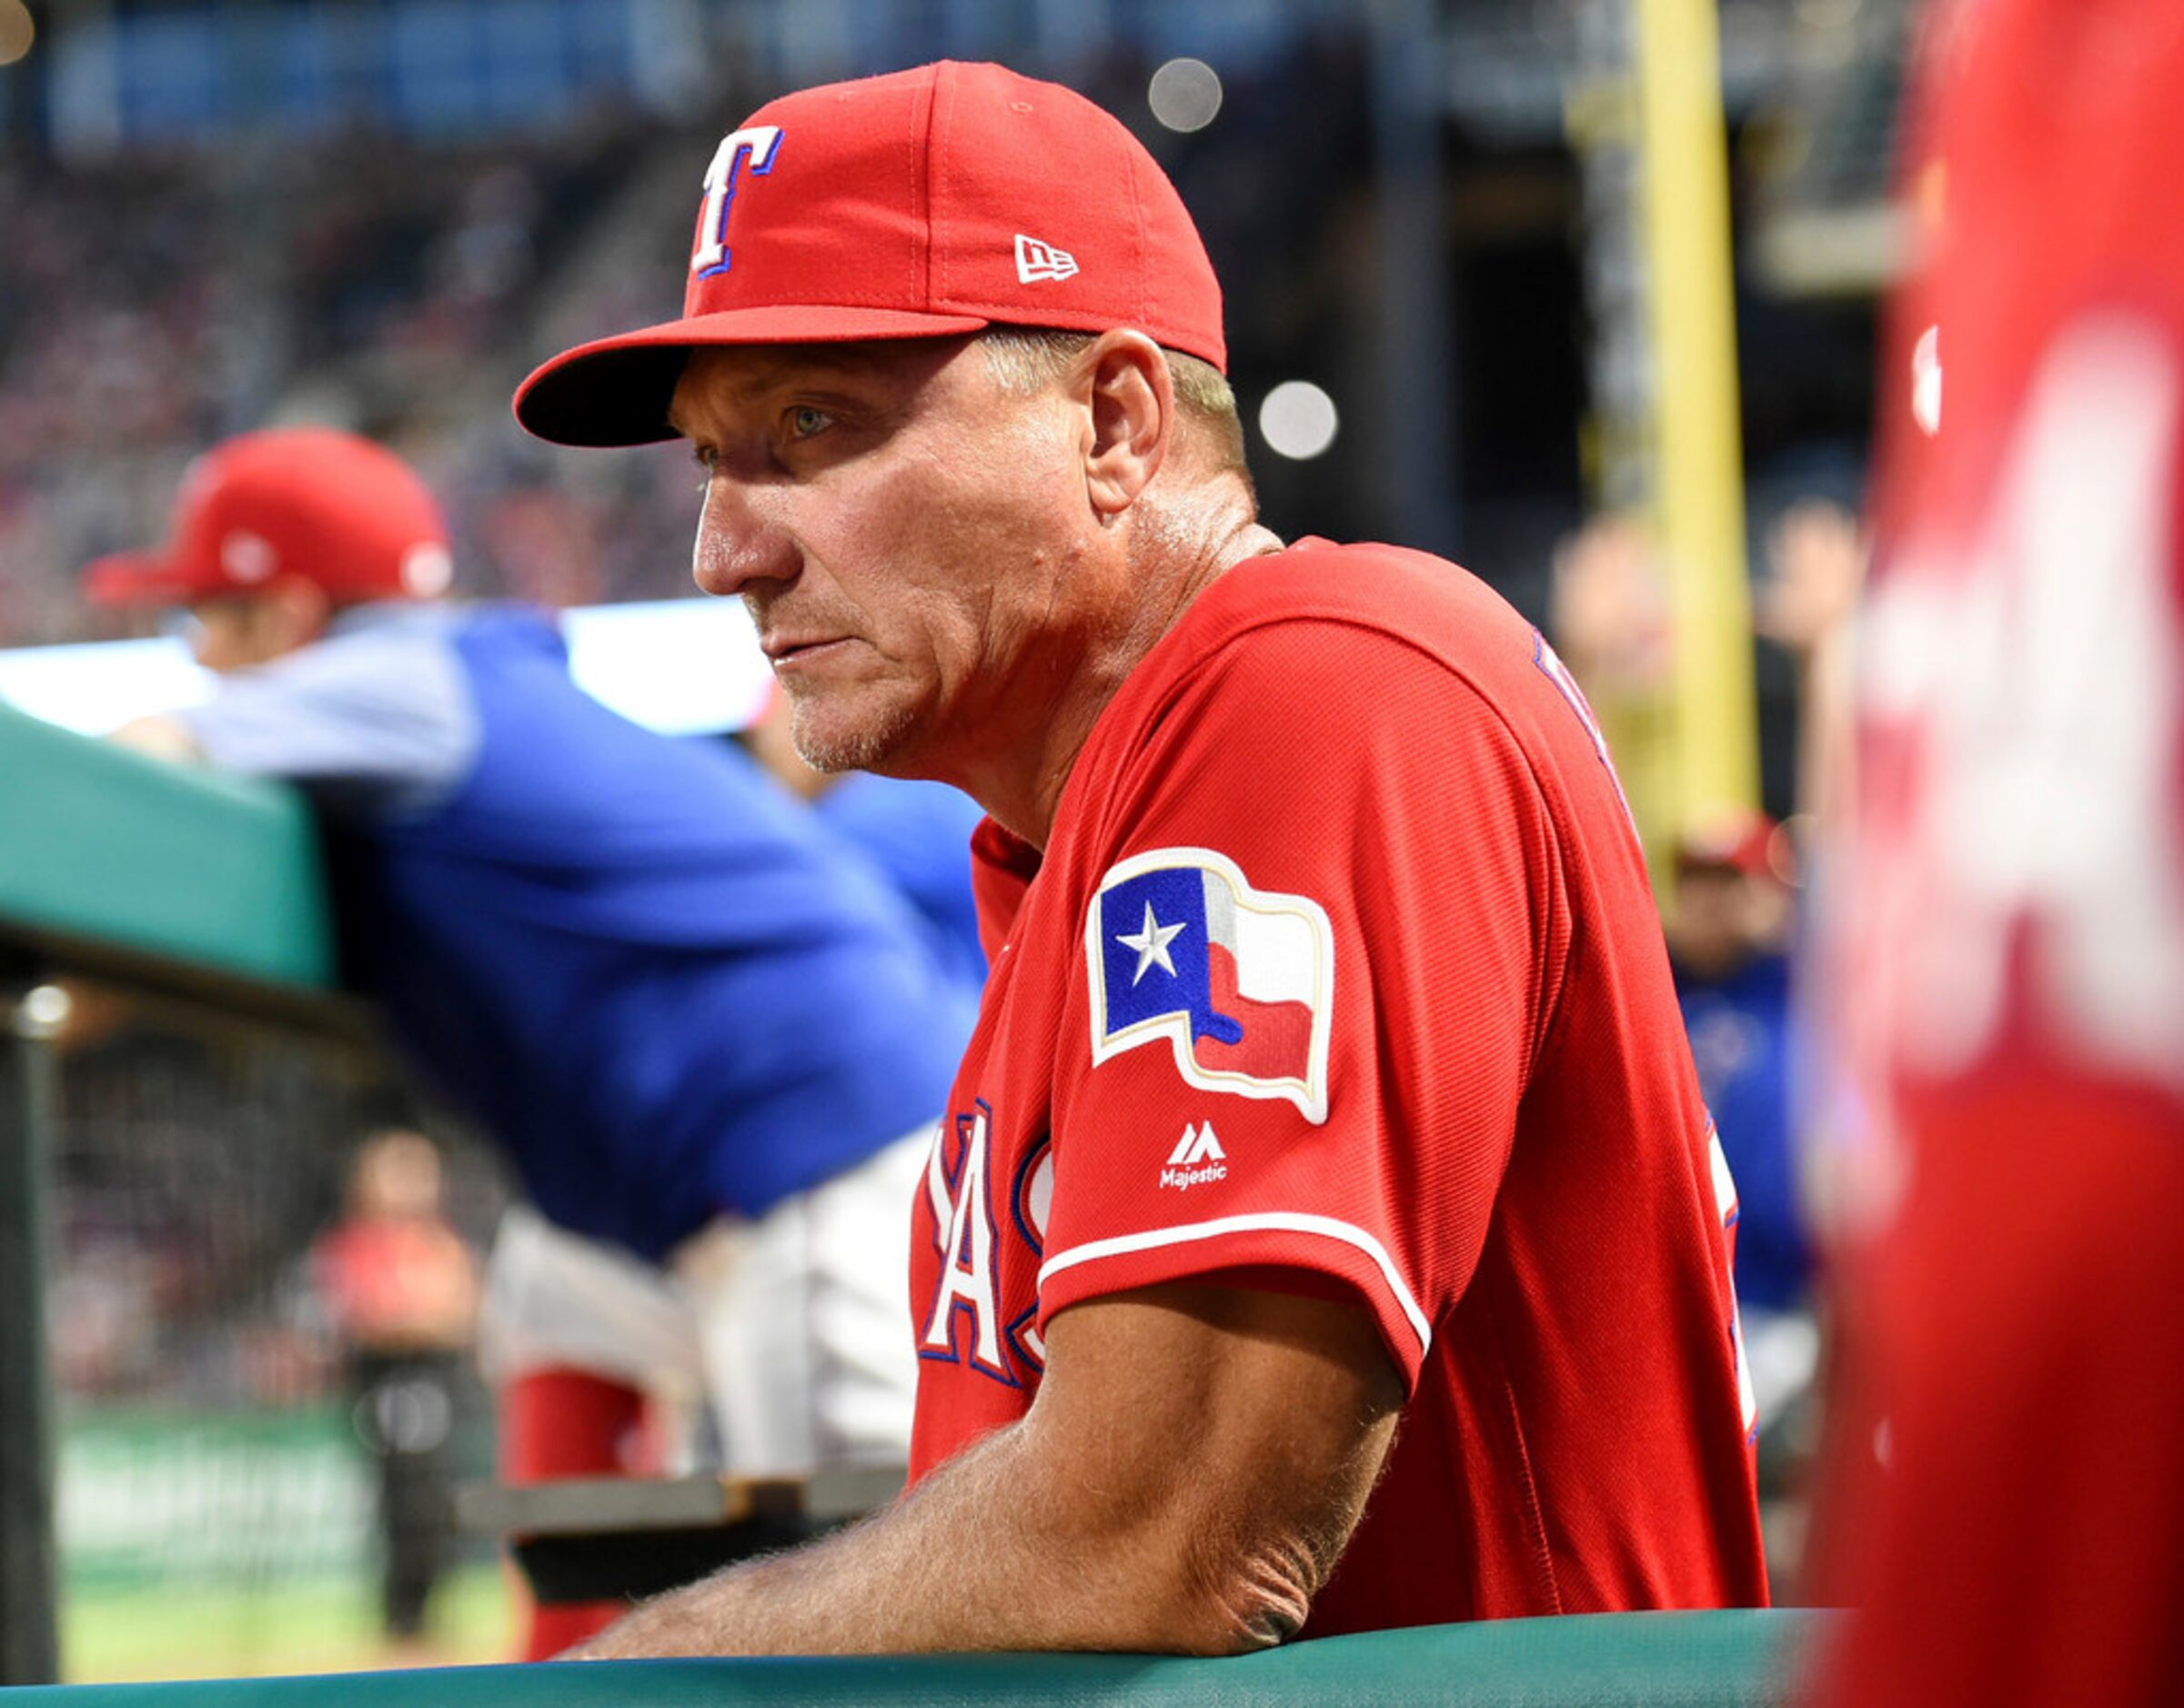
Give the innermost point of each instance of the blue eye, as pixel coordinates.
(804, 421)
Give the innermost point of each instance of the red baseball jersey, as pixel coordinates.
(1341, 960)
(2017, 1004)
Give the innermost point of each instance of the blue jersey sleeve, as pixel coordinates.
(919, 834)
(378, 720)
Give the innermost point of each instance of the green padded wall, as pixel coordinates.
(187, 865)
(1720, 1660)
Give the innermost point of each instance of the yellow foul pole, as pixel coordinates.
(1699, 491)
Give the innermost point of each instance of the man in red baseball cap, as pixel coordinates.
(530, 885)
(1329, 1071)
(273, 532)
(1730, 925)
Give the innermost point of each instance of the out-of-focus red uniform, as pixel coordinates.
(2017, 993)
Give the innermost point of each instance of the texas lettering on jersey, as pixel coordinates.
(962, 1324)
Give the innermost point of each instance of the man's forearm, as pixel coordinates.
(977, 1557)
(1084, 1525)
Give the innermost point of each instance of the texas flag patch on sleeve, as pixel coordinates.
(1240, 981)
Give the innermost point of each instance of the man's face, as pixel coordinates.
(237, 631)
(1722, 917)
(910, 539)
(1707, 926)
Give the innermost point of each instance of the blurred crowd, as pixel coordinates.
(158, 300)
(152, 306)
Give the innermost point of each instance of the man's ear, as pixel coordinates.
(1132, 400)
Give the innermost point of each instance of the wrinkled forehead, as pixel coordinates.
(731, 376)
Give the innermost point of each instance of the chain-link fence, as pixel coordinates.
(263, 1386)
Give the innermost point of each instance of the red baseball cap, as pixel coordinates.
(1745, 841)
(918, 205)
(308, 502)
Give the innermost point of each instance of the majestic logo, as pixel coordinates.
(1036, 260)
(758, 146)
(1197, 1160)
(1240, 981)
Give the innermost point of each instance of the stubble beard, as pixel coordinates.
(865, 748)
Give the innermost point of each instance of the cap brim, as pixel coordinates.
(615, 391)
(137, 577)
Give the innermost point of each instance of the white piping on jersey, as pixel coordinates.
(1271, 1221)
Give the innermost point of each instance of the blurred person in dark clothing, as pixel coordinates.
(1730, 926)
(917, 832)
(401, 1290)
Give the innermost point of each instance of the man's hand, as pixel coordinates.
(1194, 1461)
(162, 737)
(1819, 566)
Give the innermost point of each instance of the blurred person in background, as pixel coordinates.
(1807, 606)
(1730, 919)
(918, 833)
(2008, 1500)
(1609, 615)
(401, 1290)
(1730, 931)
(1731, 881)
(712, 1037)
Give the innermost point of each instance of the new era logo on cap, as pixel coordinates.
(1036, 260)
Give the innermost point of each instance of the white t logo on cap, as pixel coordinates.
(1037, 260)
(759, 145)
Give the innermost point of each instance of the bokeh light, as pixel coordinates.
(17, 31)
(1298, 420)
(1185, 94)
(45, 1009)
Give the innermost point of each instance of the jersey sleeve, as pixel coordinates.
(369, 722)
(1316, 966)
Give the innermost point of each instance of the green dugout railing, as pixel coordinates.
(1717, 1660)
(105, 855)
(165, 878)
